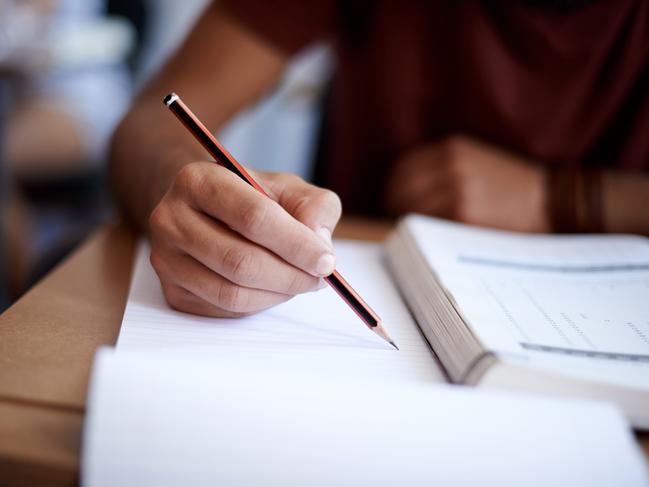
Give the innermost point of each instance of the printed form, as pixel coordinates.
(553, 299)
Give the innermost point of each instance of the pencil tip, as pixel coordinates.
(380, 330)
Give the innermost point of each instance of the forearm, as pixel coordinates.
(597, 200)
(147, 151)
(220, 69)
(626, 202)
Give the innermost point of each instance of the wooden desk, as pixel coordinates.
(47, 343)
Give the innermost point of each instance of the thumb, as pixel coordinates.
(317, 208)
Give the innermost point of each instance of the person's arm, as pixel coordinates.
(219, 247)
(464, 179)
(625, 202)
(218, 70)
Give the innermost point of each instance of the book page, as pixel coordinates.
(558, 299)
(316, 330)
(178, 419)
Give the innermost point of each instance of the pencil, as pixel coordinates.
(225, 159)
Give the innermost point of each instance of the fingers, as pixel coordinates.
(434, 203)
(409, 189)
(190, 286)
(422, 183)
(221, 194)
(318, 208)
(236, 259)
(182, 300)
(220, 248)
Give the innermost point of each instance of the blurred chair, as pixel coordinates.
(69, 87)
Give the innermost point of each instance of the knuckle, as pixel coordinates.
(299, 283)
(158, 263)
(240, 265)
(157, 218)
(305, 256)
(272, 181)
(163, 223)
(174, 298)
(181, 300)
(190, 177)
(290, 179)
(253, 216)
(318, 204)
(231, 297)
(301, 206)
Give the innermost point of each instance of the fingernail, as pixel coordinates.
(325, 234)
(325, 265)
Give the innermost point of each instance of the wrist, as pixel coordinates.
(538, 196)
(173, 157)
(575, 200)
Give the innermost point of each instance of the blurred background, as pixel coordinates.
(68, 69)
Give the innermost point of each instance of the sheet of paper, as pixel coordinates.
(555, 299)
(177, 419)
(315, 330)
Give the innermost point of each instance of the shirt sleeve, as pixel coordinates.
(288, 25)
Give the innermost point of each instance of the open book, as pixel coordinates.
(304, 394)
(562, 315)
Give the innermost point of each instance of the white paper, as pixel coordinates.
(552, 300)
(176, 419)
(316, 330)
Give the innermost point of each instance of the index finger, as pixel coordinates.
(224, 196)
(318, 208)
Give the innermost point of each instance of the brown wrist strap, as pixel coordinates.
(562, 208)
(574, 200)
(594, 222)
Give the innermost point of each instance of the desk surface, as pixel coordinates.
(47, 343)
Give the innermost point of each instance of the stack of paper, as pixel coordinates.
(304, 394)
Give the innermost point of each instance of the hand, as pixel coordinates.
(220, 248)
(469, 181)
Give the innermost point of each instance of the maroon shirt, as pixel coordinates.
(567, 88)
